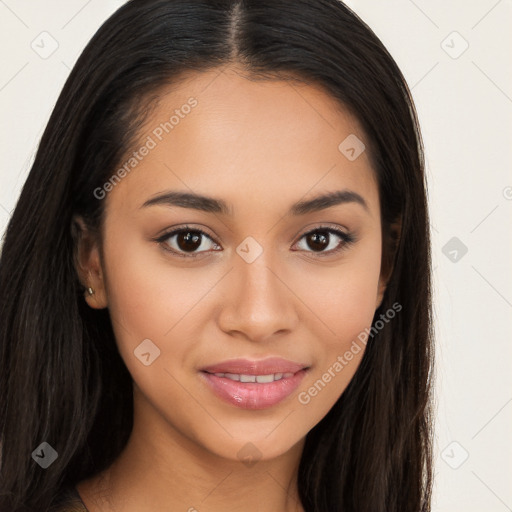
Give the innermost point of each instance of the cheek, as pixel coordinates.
(343, 298)
(147, 297)
(146, 288)
(150, 299)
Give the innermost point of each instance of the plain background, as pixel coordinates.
(454, 57)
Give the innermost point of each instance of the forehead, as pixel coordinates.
(221, 134)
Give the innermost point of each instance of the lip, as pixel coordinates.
(254, 395)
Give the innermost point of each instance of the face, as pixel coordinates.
(237, 315)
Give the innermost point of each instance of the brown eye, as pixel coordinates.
(318, 240)
(187, 242)
(325, 240)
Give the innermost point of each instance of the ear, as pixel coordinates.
(380, 291)
(88, 263)
(390, 241)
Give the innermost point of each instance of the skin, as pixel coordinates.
(260, 146)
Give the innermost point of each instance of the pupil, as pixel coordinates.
(318, 240)
(189, 240)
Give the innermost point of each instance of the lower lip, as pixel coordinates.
(252, 395)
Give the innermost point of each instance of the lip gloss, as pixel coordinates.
(253, 395)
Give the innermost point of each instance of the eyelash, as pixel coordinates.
(347, 239)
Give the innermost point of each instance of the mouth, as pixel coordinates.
(260, 379)
(254, 384)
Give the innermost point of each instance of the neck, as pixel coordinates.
(161, 469)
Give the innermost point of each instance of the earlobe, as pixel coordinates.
(95, 294)
(88, 264)
(380, 293)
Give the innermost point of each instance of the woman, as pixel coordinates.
(215, 286)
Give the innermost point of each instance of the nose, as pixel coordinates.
(257, 302)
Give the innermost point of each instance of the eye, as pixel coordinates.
(322, 240)
(187, 242)
(190, 242)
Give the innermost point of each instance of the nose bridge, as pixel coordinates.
(257, 279)
(260, 304)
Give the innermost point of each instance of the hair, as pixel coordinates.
(62, 379)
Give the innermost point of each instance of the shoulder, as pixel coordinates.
(68, 500)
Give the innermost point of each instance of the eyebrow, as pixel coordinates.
(213, 205)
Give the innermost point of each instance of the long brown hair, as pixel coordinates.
(62, 379)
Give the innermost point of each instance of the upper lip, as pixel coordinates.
(252, 367)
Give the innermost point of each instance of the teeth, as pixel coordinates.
(262, 379)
